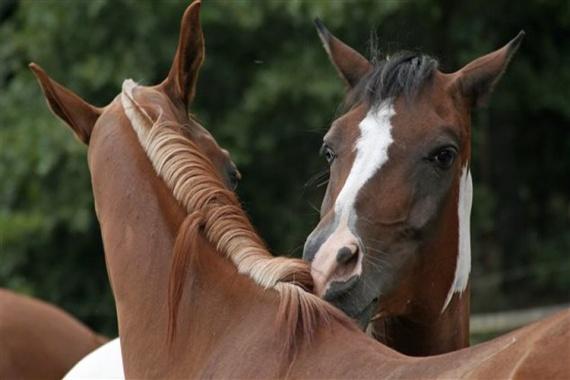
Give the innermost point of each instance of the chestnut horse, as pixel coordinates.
(39, 340)
(197, 293)
(393, 242)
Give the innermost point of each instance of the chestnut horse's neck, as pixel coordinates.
(436, 319)
(139, 221)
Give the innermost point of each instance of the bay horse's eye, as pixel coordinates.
(328, 153)
(445, 157)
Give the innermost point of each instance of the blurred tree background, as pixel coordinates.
(268, 94)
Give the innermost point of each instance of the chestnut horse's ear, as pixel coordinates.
(183, 75)
(478, 78)
(350, 64)
(74, 111)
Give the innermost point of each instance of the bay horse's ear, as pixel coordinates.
(183, 75)
(69, 107)
(350, 64)
(477, 79)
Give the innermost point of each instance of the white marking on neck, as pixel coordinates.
(106, 362)
(463, 265)
(371, 153)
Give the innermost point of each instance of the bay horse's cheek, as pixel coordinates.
(391, 207)
(422, 213)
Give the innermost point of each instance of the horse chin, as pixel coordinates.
(365, 316)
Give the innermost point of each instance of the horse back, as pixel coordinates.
(38, 340)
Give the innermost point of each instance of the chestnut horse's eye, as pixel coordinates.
(234, 176)
(328, 153)
(445, 157)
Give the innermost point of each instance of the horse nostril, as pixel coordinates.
(344, 255)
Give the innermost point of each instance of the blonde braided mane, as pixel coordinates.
(197, 186)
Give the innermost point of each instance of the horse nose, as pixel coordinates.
(345, 254)
(333, 265)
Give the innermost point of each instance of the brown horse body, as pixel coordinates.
(38, 340)
(197, 294)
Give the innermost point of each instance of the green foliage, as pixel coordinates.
(268, 94)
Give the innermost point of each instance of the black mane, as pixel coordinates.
(404, 73)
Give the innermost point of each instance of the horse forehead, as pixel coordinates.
(436, 96)
(420, 121)
(345, 130)
(412, 122)
(371, 149)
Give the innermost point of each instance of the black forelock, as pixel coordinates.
(404, 73)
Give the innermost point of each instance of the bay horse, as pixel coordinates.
(197, 293)
(39, 340)
(393, 242)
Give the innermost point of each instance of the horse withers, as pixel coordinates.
(393, 242)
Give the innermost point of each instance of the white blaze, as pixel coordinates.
(463, 265)
(371, 153)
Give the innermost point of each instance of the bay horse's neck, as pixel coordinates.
(412, 336)
(436, 319)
